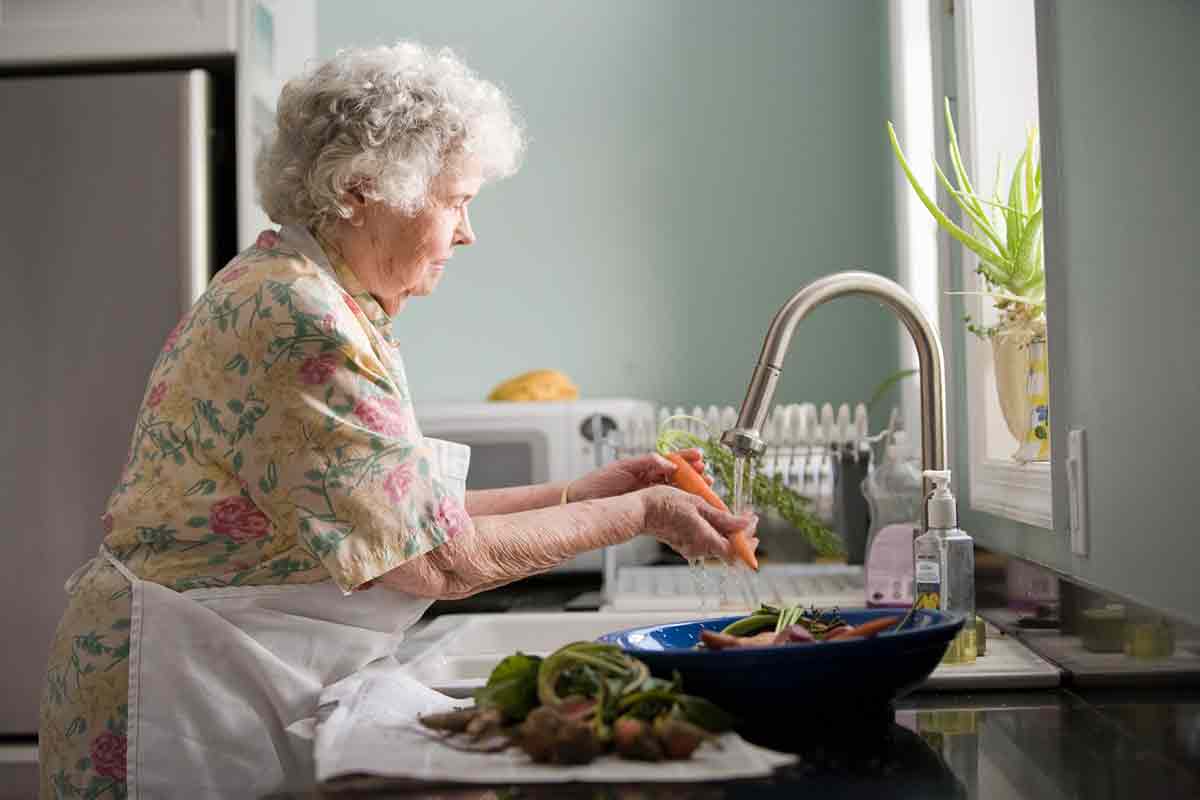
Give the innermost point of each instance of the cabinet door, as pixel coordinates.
(102, 244)
(63, 31)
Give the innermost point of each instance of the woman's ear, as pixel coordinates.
(355, 198)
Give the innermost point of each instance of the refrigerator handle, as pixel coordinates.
(195, 224)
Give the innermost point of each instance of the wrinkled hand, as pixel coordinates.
(632, 474)
(691, 527)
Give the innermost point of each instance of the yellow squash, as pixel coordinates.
(540, 385)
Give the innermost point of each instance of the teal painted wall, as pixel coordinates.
(692, 164)
(1121, 122)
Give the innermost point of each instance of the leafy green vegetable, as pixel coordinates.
(512, 687)
(580, 668)
(648, 703)
(705, 714)
(755, 623)
(580, 701)
(818, 621)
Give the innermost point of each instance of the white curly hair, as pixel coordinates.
(384, 121)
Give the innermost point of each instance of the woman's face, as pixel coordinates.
(397, 256)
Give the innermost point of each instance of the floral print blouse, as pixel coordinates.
(277, 440)
(275, 443)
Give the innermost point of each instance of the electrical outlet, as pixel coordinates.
(1077, 497)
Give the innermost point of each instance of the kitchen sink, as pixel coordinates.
(455, 653)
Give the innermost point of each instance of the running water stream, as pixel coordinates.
(743, 495)
(711, 576)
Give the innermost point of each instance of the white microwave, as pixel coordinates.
(518, 444)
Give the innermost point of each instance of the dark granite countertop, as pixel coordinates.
(1094, 745)
(1080, 741)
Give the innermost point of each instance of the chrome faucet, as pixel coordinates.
(744, 439)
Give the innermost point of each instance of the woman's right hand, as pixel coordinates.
(690, 526)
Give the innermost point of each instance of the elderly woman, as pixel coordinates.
(280, 520)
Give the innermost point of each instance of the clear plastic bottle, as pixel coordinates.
(893, 494)
(944, 559)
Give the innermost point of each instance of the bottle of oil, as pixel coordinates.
(944, 568)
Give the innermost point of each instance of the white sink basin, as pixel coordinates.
(455, 653)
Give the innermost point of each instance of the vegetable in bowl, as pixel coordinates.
(821, 676)
(770, 627)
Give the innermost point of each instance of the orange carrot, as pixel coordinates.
(840, 632)
(687, 479)
(865, 630)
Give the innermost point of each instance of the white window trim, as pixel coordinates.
(912, 87)
(1003, 487)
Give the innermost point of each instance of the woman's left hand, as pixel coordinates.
(632, 474)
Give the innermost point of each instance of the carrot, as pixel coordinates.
(865, 630)
(840, 632)
(689, 480)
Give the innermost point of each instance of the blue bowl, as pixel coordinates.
(761, 682)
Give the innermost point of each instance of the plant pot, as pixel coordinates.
(1010, 358)
(1035, 446)
(1019, 356)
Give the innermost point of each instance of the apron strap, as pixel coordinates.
(120, 566)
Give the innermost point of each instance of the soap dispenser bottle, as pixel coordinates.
(944, 566)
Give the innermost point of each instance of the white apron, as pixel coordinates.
(216, 676)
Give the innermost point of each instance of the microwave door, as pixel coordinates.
(500, 459)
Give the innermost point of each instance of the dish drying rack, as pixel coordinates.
(822, 453)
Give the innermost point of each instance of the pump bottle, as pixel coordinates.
(944, 566)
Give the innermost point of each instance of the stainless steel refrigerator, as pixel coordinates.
(117, 203)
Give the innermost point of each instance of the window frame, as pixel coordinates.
(999, 486)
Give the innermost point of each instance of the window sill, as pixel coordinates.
(1019, 492)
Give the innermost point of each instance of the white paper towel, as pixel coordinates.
(368, 726)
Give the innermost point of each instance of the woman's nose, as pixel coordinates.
(463, 233)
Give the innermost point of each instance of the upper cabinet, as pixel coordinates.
(270, 40)
(64, 31)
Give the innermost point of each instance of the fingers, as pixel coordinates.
(657, 468)
(677, 519)
(725, 525)
(728, 524)
(661, 462)
(654, 467)
(694, 457)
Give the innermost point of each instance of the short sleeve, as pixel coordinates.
(331, 448)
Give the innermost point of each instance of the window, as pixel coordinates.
(982, 54)
(996, 83)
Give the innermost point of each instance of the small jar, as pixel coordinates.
(1149, 638)
(1103, 629)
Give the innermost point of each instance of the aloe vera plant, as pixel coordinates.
(1006, 233)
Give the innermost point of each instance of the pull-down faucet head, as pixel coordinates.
(745, 439)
